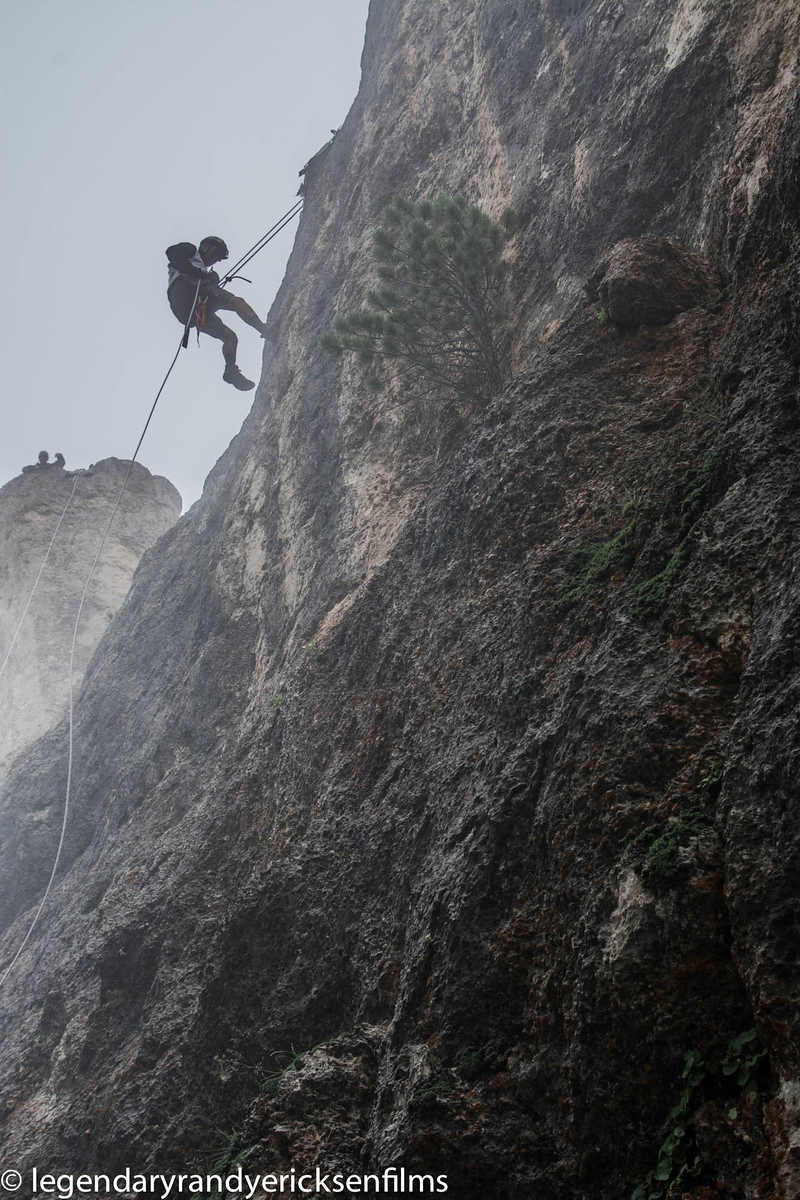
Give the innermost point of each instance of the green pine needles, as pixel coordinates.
(441, 314)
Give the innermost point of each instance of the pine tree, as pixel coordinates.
(441, 314)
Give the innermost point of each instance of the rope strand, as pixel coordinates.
(272, 232)
(43, 900)
(259, 245)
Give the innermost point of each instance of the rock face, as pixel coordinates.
(34, 686)
(648, 281)
(435, 805)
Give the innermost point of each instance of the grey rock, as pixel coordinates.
(648, 281)
(42, 584)
(350, 782)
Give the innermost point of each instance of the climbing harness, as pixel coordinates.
(259, 245)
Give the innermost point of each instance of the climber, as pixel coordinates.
(44, 462)
(187, 264)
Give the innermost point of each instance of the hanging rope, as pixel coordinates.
(75, 640)
(293, 212)
(259, 245)
(39, 576)
(272, 232)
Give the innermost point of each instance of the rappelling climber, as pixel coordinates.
(187, 264)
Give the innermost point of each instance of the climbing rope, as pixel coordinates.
(259, 245)
(293, 212)
(272, 232)
(75, 640)
(39, 576)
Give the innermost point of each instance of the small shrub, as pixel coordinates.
(656, 847)
(678, 1157)
(473, 1061)
(743, 1055)
(713, 775)
(590, 566)
(426, 1094)
(438, 1083)
(426, 949)
(699, 486)
(652, 595)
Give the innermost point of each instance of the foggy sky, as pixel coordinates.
(130, 125)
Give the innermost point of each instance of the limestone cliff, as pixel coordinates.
(35, 682)
(461, 754)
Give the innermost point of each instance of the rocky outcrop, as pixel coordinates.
(435, 796)
(35, 680)
(648, 281)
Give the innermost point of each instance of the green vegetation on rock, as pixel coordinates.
(589, 567)
(473, 1061)
(652, 595)
(678, 1158)
(655, 849)
(699, 485)
(441, 314)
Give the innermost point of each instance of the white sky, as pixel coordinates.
(129, 125)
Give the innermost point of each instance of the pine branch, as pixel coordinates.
(438, 313)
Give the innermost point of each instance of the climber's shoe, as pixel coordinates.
(233, 375)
